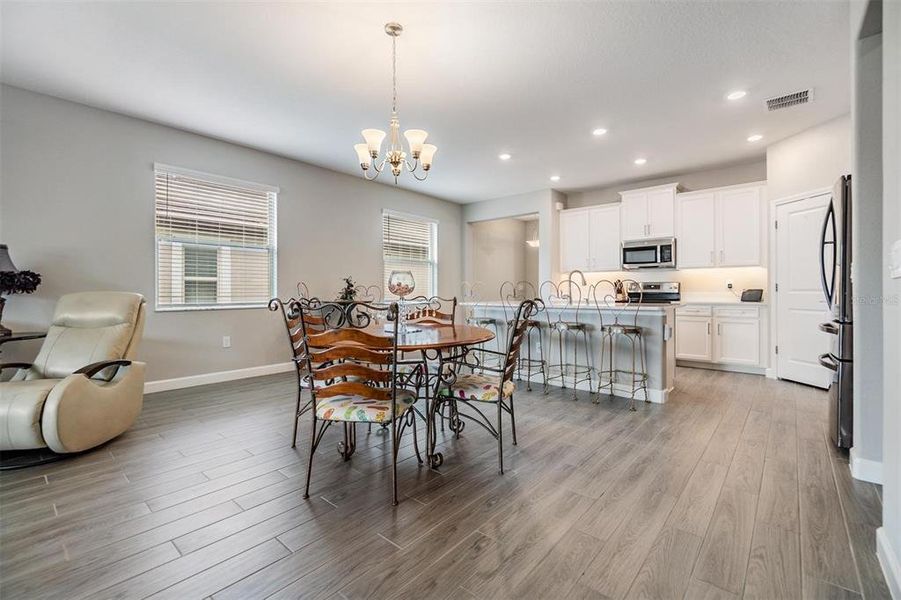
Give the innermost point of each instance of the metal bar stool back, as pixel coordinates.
(618, 313)
(563, 310)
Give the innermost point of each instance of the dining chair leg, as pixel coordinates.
(544, 365)
(306, 490)
(529, 358)
(586, 339)
(562, 360)
(632, 401)
(415, 436)
(512, 420)
(575, 344)
(394, 460)
(500, 439)
(296, 414)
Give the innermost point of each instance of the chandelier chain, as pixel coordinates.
(394, 73)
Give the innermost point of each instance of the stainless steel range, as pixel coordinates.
(654, 292)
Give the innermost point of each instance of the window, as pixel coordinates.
(410, 244)
(215, 241)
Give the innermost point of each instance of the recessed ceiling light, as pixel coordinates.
(555, 178)
(736, 95)
(599, 131)
(755, 138)
(640, 161)
(504, 156)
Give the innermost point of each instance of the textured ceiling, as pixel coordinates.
(531, 79)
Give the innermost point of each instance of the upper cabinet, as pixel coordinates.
(721, 227)
(589, 238)
(649, 212)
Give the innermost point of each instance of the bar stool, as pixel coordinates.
(618, 314)
(472, 302)
(569, 329)
(512, 295)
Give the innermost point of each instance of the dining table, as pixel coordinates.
(440, 346)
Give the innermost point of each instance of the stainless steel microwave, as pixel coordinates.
(649, 254)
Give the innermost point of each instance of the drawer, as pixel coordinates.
(695, 310)
(750, 312)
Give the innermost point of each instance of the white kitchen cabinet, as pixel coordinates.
(696, 230)
(661, 212)
(722, 227)
(604, 238)
(574, 240)
(728, 335)
(590, 239)
(737, 340)
(738, 215)
(649, 212)
(693, 339)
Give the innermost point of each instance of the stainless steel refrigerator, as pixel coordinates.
(835, 272)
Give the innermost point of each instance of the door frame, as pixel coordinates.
(772, 371)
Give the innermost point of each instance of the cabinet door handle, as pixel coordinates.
(719, 329)
(708, 327)
(712, 258)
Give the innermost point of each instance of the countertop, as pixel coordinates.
(650, 309)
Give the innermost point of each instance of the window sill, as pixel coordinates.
(183, 308)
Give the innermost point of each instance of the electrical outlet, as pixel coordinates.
(728, 284)
(226, 341)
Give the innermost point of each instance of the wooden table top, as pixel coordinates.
(434, 337)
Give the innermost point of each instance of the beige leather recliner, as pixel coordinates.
(84, 387)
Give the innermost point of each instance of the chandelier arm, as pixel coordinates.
(418, 178)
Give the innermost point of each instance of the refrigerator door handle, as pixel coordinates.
(827, 361)
(828, 282)
(829, 328)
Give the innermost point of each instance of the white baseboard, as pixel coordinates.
(772, 373)
(164, 385)
(696, 364)
(888, 559)
(622, 390)
(864, 469)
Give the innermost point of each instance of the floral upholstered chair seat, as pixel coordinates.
(480, 388)
(359, 409)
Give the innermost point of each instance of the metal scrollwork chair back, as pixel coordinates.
(476, 389)
(303, 291)
(436, 310)
(369, 293)
(354, 379)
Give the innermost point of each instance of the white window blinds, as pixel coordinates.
(410, 244)
(215, 241)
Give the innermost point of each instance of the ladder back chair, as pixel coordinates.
(512, 294)
(354, 378)
(290, 310)
(477, 389)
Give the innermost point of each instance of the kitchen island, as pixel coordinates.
(656, 321)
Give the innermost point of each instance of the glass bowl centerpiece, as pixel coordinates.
(401, 284)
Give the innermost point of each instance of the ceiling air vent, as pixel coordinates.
(793, 99)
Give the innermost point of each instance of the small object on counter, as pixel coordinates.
(752, 295)
(620, 291)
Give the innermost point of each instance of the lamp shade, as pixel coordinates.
(363, 154)
(425, 156)
(6, 263)
(374, 138)
(415, 138)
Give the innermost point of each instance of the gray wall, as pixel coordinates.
(693, 180)
(810, 160)
(866, 221)
(77, 206)
(499, 254)
(889, 537)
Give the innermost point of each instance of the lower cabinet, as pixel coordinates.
(719, 334)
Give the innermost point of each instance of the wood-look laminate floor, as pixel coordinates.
(729, 490)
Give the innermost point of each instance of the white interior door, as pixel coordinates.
(801, 305)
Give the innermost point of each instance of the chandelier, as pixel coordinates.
(396, 157)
